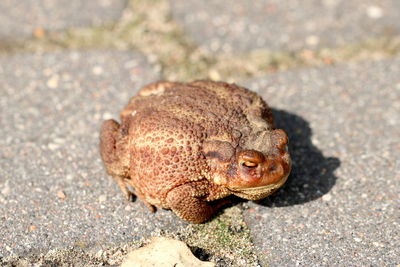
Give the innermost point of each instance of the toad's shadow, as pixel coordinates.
(312, 173)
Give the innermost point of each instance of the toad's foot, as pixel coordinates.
(187, 204)
(121, 181)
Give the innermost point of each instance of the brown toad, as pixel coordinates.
(185, 146)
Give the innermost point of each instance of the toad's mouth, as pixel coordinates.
(257, 189)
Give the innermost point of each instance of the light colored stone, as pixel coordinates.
(164, 252)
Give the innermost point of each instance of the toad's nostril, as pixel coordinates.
(280, 138)
(272, 167)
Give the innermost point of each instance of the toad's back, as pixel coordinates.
(167, 124)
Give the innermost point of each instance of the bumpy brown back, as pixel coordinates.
(168, 123)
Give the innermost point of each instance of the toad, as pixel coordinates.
(187, 146)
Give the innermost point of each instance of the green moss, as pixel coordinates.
(226, 238)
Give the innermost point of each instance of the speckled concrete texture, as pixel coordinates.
(19, 19)
(54, 192)
(341, 205)
(241, 25)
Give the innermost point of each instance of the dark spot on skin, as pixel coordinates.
(232, 170)
(215, 155)
(124, 131)
(272, 167)
(212, 132)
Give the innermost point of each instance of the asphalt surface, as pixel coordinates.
(341, 205)
(20, 19)
(239, 26)
(54, 192)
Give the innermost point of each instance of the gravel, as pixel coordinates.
(340, 206)
(21, 19)
(241, 25)
(54, 192)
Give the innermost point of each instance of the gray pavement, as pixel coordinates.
(54, 192)
(341, 205)
(241, 25)
(20, 19)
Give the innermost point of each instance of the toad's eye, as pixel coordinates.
(250, 158)
(250, 164)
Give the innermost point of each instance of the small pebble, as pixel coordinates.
(312, 40)
(97, 70)
(52, 82)
(327, 197)
(53, 146)
(61, 194)
(107, 115)
(102, 198)
(374, 12)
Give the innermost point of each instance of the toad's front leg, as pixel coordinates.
(187, 202)
(112, 152)
(121, 181)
